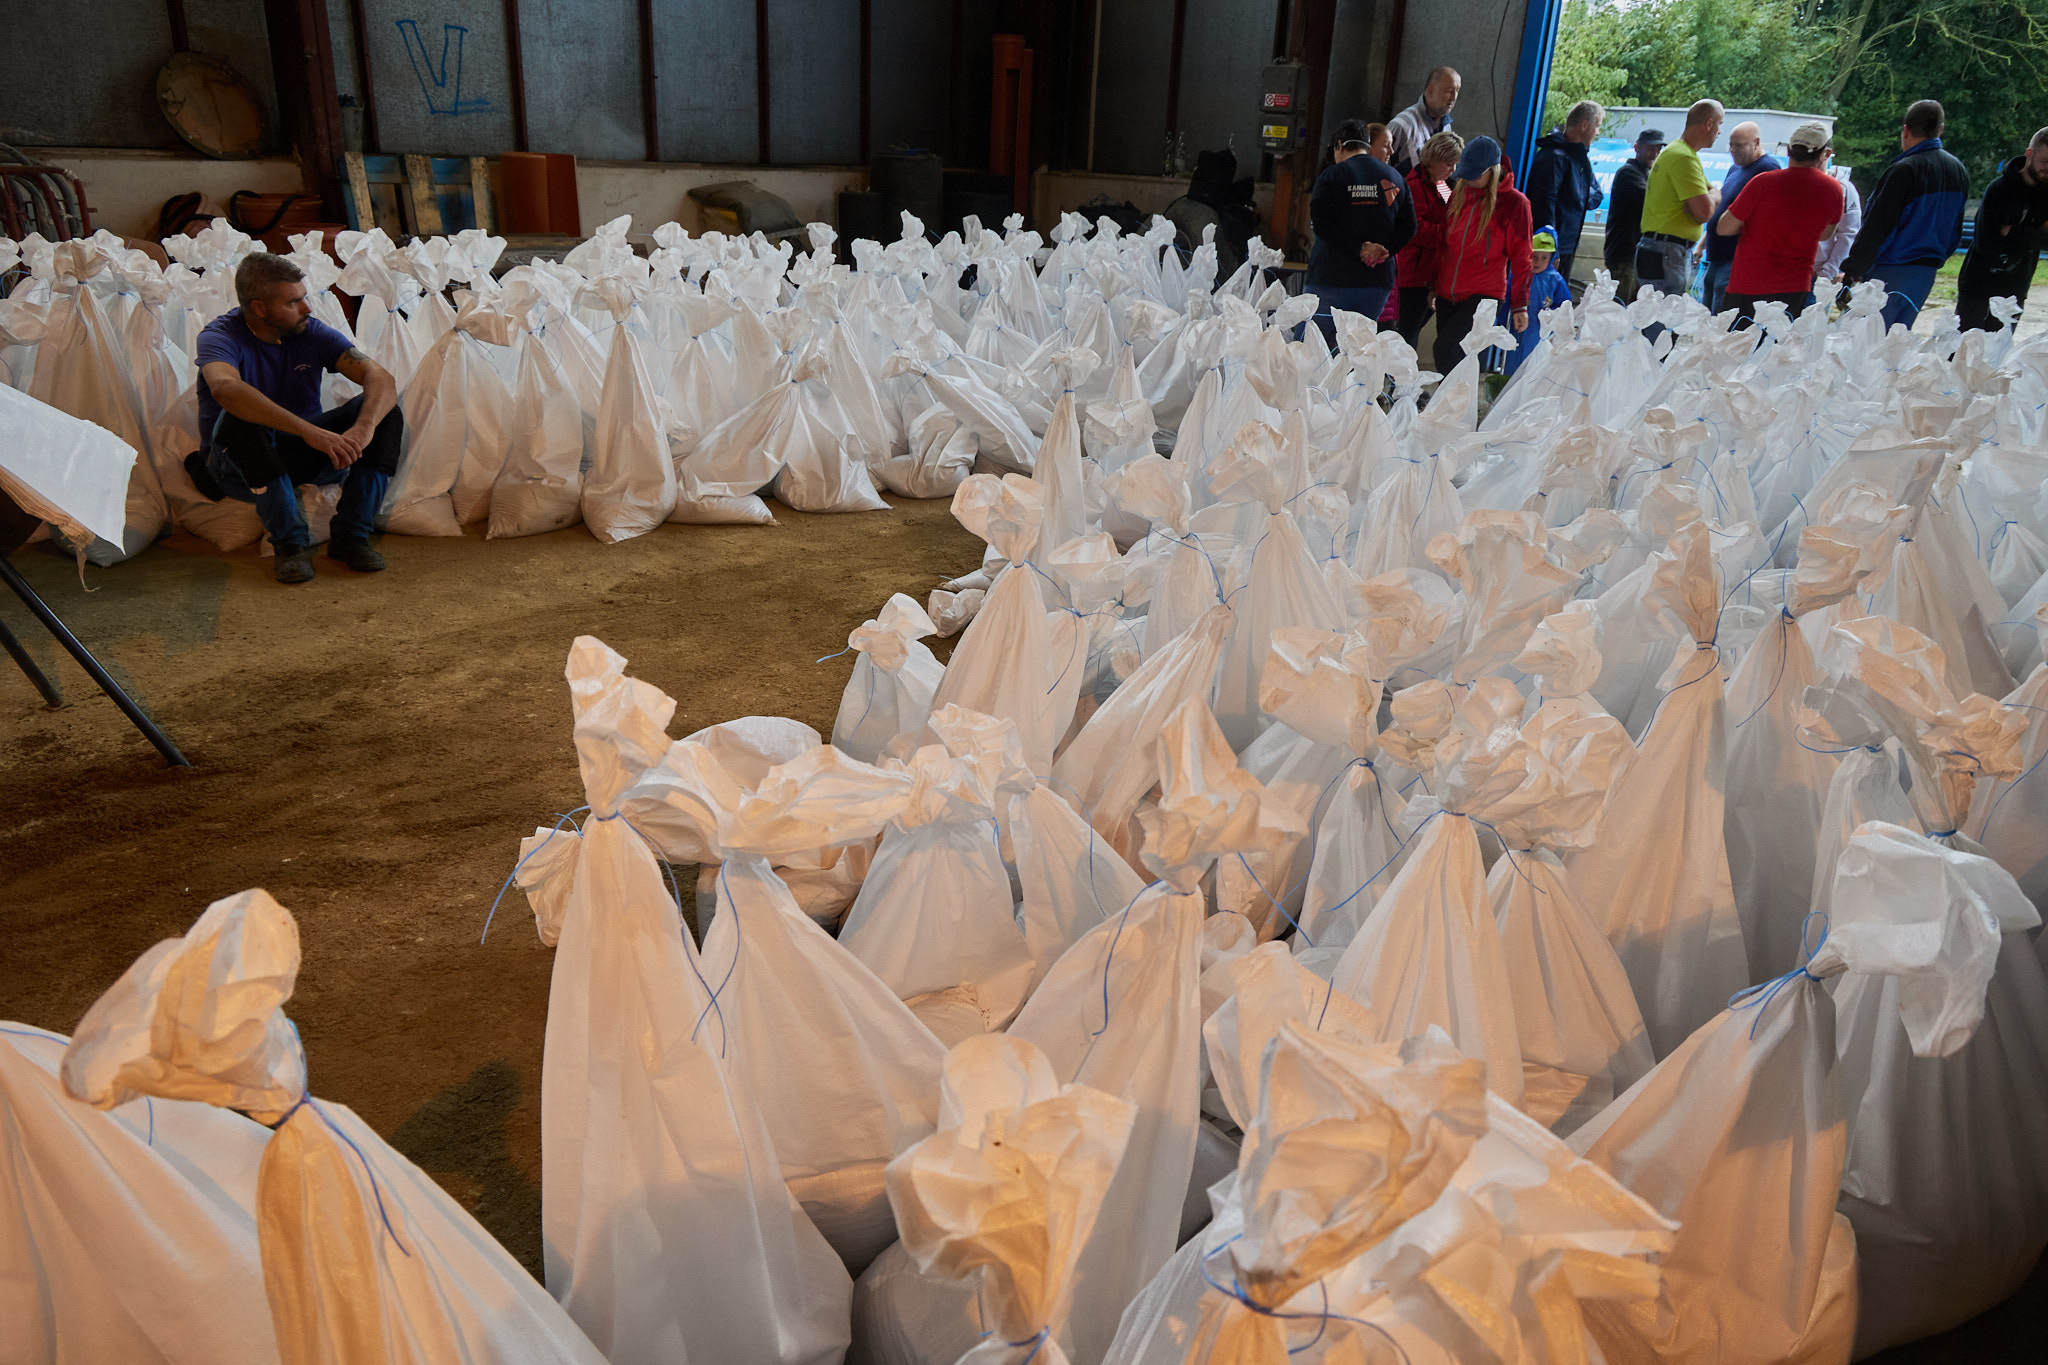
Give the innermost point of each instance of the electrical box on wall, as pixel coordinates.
(1283, 107)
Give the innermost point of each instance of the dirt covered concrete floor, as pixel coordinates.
(369, 749)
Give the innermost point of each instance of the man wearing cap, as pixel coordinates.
(1678, 203)
(1362, 217)
(1424, 119)
(1562, 188)
(1625, 213)
(1746, 147)
(1776, 225)
(1914, 220)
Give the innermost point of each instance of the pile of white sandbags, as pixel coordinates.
(1371, 883)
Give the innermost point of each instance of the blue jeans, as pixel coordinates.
(282, 461)
(1370, 302)
(1906, 290)
(1717, 283)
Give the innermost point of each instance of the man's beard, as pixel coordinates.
(297, 329)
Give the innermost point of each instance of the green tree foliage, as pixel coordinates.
(1583, 67)
(1862, 60)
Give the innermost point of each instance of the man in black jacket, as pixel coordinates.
(2012, 228)
(1362, 215)
(1625, 214)
(1913, 221)
(1561, 186)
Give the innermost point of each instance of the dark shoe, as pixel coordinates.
(202, 477)
(295, 567)
(357, 555)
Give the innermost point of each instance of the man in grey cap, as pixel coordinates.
(1778, 222)
(1625, 213)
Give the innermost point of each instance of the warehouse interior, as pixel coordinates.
(384, 755)
(653, 97)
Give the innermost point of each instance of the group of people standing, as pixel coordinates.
(1413, 222)
(1786, 231)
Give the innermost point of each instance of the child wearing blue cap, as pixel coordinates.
(1547, 289)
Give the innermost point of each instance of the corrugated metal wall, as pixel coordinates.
(82, 73)
(440, 73)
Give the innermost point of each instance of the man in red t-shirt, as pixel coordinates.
(1781, 217)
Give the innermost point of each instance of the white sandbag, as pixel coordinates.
(126, 1235)
(685, 1235)
(630, 487)
(817, 472)
(894, 676)
(1740, 1127)
(1441, 1218)
(1946, 1078)
(1320, 684)
(844, 1075)
(941, 455)
(1109, 766)
(1282, 588)
(1656, 878)
(364, 1257)
(1144, 1044)
(1777, 786)
(1071, 876)
(1263, 990)
(1582, 1036)
(81, 369)
(1012, 1185)
(1430, 952)
(540, 488)
(1017, 661)
(2009, 816)
(457, 428)
(935, 910)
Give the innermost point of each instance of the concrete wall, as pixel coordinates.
(1483, 40)
(655, 193)
(1057, 192)
(127, 188)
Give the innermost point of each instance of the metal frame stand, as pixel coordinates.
(12, 536)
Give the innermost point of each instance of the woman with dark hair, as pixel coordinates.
(1362, 215)
(1486, 251)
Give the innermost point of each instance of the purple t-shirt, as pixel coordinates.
(287, 373)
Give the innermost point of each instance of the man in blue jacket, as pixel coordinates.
(1561, 186)
(1913, 221)
(1746, 149)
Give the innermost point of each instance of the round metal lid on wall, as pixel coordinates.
(211, 106)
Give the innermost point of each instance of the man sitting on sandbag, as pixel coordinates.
(260, 368)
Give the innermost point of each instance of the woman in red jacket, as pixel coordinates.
(1486, 251)
(1416, 265)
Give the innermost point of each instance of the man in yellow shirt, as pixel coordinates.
(1677, 203)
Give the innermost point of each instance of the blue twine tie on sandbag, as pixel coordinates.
(1123, 918)
(1759, 996)
(1323, 1317)
(674, 890)
(305, 1100)
(561, 818)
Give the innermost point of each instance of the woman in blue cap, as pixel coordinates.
(1486, 251)
(1362, 215)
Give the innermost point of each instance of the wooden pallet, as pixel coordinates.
(415, 195)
